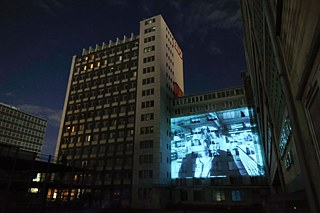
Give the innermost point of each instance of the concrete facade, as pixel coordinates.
(20, 129)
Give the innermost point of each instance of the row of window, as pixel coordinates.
(109, 79)
(19, 136)
(109, 51)
(100, 150)
(209, 107)
(146, 144)
(147, 104)
(148, 69)
(109, 163)
(14, 114)
(150, 21)
(33, 130)
(109, 61)
(24, 143)
(149, 30)
(148, 59)
(217, 196)
(147, 117)
(146, 130)
(148, 81)
(96, 137)
(215, 95)
(149, 39)
(147, 92)
(145, 174)
(102, 100)
(95, 91)
(146, 158)
(149, 49)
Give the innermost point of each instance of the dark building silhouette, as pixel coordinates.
(282, 51)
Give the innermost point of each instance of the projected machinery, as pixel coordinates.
(217, 144)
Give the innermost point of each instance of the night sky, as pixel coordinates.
(39, 37)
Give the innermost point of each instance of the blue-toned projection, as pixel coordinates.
(217, 144)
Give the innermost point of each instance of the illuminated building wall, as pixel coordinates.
(215, 144)
(216, 154)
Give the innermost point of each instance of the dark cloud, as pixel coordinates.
(50, 7)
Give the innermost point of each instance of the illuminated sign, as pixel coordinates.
(176, 46)
(216, 144)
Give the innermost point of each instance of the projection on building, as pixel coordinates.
(216, 144)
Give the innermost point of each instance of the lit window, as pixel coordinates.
(34, 190)
(218, 196)
(91, 66)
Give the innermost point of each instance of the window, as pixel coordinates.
(146, 158)
(149, 49)
(149, 39)
(148, 59)
(146, 130)
(145, 174)
(147, 117)
(236, 195)
(146, 144)
(147, 92)
(148, 69)
(147, 81)
(218, 196)
(150, 21)
(147, 104)
(149, 30)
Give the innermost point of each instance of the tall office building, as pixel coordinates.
(116, 116)
(282, 51)
(21, 129)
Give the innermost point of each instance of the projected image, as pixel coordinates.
(216, 144)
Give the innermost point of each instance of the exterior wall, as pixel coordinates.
(21, 129)
(151, 178)
(282, 49)
(97, 126)
(209, 101)
(230, 189)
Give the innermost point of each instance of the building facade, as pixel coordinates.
(21, 129)
(116, 116)
(282, 51)
(216, 156)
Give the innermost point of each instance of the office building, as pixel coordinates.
(21, 129)
(116, 116)
(282, 51)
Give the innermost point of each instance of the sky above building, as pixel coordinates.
(39, 37)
